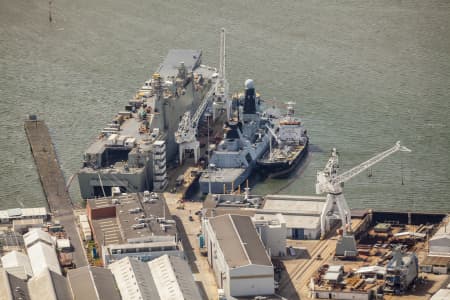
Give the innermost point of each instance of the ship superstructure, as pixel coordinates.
(289, 144)
(245, 140)
(131, 152)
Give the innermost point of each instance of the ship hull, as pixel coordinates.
(283, 168)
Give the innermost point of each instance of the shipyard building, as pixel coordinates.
(82, 283)
(166, 277)
(438, 258)
(133, 225)
(237, 256)
(303, 216)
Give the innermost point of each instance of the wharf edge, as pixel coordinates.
(53, 183)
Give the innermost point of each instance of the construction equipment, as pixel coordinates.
(328, 181)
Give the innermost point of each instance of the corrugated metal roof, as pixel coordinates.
(173, 278)
(251, 241)
(14, 213)
(16, 259)
(34, 211)
(239, 241)
(49, 285)
(93, 283)
(165, 278)
(134, 279)
(35, 235)
(185, 278)
(43, 256)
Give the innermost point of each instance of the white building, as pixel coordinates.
(166, 277)
(43, 256)
(36, 235)
(15, 259)
(173, 278)
(9, 215)
(237, 256)
(440, 242)
(272, 231)
(302, 214)
(41, 251)
(438, 259)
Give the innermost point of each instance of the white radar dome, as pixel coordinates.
(249, 84)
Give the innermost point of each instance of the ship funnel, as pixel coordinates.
(250, 97)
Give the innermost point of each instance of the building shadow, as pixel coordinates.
(286, 286)
(202, 289)
(187, 247)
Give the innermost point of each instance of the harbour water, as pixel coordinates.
(364, 74)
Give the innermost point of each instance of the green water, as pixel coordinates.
(364, 74)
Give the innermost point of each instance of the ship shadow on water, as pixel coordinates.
(314, 149)
(292, 176)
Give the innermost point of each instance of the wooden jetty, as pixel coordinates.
(53, 183)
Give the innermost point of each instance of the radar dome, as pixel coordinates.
(249, 84)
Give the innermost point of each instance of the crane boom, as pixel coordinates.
(222, 55)
(347, 175)
(273, 134)
(328, 181)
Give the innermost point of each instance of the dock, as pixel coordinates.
(54, 184)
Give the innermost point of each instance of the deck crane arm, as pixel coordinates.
(329, 182)
(347, 175)
(222, 55)
(272, 132)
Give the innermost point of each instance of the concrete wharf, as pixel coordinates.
(54, 185)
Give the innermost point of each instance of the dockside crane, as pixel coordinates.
(221, 100)
(328, 181)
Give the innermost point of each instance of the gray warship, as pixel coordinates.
(131, 152)
(245, 140)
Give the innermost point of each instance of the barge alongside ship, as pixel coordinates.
(287, 148)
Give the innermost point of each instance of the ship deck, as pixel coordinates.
(130, 128)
